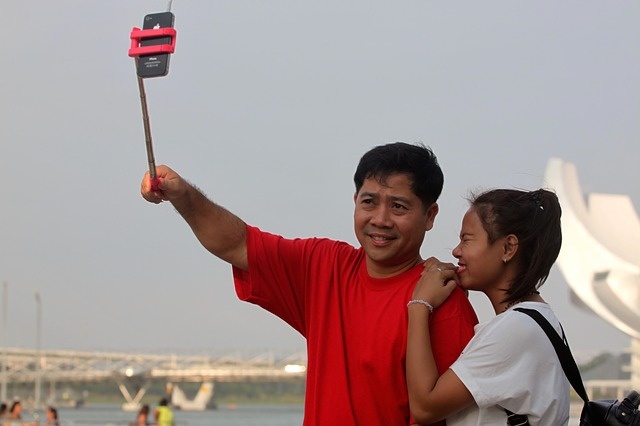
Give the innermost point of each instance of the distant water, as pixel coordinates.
(245, 415)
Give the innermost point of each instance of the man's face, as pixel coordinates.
(390, 222)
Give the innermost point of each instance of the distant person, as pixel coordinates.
(508, 243)
(143, 416)
(4, 413)
(163, 414)
(15, 416)
(52, 417)
(350, 303)
(15, 412)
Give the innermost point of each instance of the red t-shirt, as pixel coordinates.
(355, 325)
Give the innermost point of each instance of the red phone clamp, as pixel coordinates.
(137, 35)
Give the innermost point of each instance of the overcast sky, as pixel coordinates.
(268, 107)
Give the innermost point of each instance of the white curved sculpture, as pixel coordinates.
(600, 255)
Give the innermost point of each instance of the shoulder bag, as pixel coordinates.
(594, 413)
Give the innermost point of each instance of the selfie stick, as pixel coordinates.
(147, 134)
(137, 35)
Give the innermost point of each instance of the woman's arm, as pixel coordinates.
(431, 397)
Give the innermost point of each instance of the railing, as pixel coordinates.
(72, 366)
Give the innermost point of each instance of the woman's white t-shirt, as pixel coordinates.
(510, 363)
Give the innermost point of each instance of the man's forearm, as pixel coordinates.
(218, 230)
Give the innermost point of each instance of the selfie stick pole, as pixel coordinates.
(147, 133)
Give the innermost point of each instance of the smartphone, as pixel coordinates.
(155, 65)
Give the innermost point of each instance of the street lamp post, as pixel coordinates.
(3, 386)
(38, 355)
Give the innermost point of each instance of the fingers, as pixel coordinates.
(435, 285)
(443, 275)
(148, 193)
(434, 263)
(168, 185)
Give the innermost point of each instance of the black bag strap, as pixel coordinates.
(562, 349)
(514, 419)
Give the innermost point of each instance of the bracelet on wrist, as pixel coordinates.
(421, 302)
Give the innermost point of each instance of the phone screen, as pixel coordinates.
(155, 65)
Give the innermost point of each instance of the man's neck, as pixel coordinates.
(377, 270)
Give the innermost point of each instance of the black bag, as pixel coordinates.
(594, 413)
(612, 412)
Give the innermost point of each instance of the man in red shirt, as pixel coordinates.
(350, 303)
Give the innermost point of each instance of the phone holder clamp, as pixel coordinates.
(138, 35)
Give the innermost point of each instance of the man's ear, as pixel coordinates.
(510, 247)
(432, 212)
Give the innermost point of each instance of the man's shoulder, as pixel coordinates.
(457, 306)
(313, 240)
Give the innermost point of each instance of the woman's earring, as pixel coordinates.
(504, 261)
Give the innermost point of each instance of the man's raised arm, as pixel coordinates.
(218, 230)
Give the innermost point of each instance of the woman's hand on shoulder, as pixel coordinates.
(437, 281)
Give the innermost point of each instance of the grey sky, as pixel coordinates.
(267, 108)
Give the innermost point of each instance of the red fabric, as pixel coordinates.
(355, 326)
